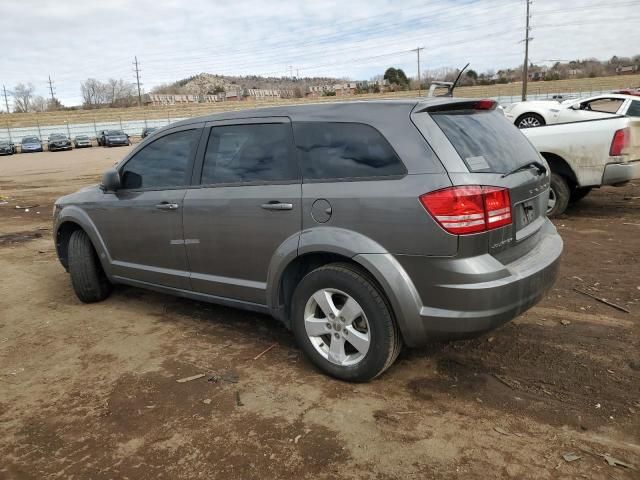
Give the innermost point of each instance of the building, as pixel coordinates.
(269, 94)
(627, 69)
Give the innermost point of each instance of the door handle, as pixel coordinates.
(275, 205)
(167, 206)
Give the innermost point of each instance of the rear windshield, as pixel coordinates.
(486, 140)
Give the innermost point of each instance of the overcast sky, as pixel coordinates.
(73, 40)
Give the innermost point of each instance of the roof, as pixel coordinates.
(355, 110)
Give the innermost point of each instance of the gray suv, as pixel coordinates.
(362, 226)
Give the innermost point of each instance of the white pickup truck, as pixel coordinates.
(588, 154)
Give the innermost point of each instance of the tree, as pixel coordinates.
(472, 74)
(93, 92)
(38, 104)
(54, 104)
(396, 76)
(22, 96)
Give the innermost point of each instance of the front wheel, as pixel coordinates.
(530, 120)
(559, 195)
(87, 277)
(342, 322)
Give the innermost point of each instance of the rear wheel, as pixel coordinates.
(343, 324)
(578, 194)
(87, 277)
(529, 120)
(559, 195)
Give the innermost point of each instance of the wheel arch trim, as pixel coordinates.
(76, 215)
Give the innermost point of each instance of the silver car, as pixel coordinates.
(361, 226)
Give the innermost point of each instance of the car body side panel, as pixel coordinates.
(388, 210)
(76, 214)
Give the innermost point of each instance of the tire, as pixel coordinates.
(578, 194)
(87, 277)
(559, 195)
(373, 322)
(530, 120)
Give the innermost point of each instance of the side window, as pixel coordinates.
(634, 109)
(249, 153)
(604, 105)
(162, 163)
(344, 150)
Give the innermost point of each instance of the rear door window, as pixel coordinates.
(249, 153)
(485, 140)
(343, 151)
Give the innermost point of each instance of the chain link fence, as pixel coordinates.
(134, 128)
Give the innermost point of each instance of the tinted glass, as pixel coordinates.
(344, 150)
(486, 140)
(162, 163)
(634, 109)
(249, 153)
(30, 140)
(115, 132)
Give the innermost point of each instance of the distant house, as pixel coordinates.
(574, 72)
(626, 69)
(269, 94)
(158, 99)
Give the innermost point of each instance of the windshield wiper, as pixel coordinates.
(539, 166)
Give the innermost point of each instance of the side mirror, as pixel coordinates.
(111, 180)
(575, 106)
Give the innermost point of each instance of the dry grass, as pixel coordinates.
(189, 110)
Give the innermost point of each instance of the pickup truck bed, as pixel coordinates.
(582, 155)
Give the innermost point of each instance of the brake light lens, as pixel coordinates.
(469, 209)
(485, 104)
(620, 142)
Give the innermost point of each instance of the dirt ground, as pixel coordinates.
(90, 391)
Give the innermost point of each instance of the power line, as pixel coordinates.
(525, 67)
(6, 101)
(137, 70)
(53, 98)
(417, 50)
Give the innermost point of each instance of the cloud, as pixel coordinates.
(74, 40)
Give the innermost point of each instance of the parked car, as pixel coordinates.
(360, 225)
(110, 138)
(148, 131)
(58, 141)
(82, 141)
(547, 112)
(7, 148)
(587, 155)
(31, 144)
(629, 91)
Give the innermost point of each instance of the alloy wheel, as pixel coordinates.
(529, 122)
(337, 327)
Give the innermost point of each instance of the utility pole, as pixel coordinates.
(53, 99)
(137, 70)
(525, 69)
(6, 102)
(417, 50)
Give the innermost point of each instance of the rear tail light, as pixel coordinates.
(469, 209)
(620, 142)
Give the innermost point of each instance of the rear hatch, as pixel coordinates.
(483, 148)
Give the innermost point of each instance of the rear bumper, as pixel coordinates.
(464, 297)
(615, 173)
